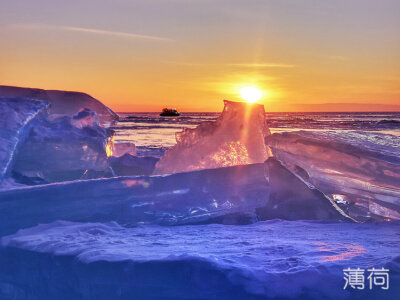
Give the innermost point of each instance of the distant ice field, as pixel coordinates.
(153, 134)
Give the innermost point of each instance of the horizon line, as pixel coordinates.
(218, 112)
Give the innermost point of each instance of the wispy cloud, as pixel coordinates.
(91, 31)
(186, 64)
(262, 65)
(337, 57)
(242, 65)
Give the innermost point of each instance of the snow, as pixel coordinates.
(63, 102)
(338, 164)
(16, 116)
(273, 259)
(235, 138)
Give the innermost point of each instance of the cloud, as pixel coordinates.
(246, 65)
(262, 65)
(337, 57)
(92, 31)
(186, 64)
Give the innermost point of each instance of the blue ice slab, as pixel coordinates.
(233, 195)
(175, 199)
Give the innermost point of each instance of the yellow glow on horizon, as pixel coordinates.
(251, 94)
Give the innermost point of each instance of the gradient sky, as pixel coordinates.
(191, 54)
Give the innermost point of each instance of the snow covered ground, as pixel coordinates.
(272, 259)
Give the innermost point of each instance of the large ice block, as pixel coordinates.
(235, 138)
(64, 148)
(16, 117)
(63, 102)
(364, 180)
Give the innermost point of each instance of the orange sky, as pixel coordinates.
(145, 55)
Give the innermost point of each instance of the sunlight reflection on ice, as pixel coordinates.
(344, 252)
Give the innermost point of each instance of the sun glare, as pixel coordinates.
(250, 94)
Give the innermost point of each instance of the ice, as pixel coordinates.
(366, 179)
(85, 118)
(266, 260)
(102, 239)
(235, 138)
(195, 197)
(122, 148)
(292, 199)
(132, 165)
(63, 102)
(232, 195)
(64, 148)
(12, 183)
(15, 122)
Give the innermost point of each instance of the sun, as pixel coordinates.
(251, 94)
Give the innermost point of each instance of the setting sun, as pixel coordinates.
(250, 94)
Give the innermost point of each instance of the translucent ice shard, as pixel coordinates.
(235, 138)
